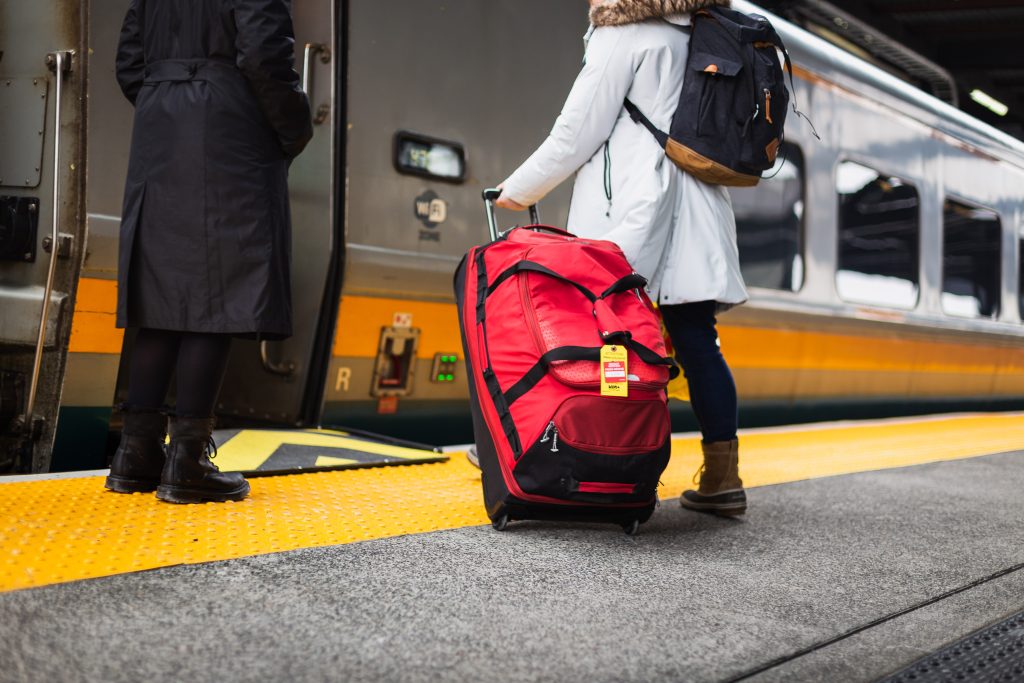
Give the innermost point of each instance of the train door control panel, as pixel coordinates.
(394, 370)
(443, 369)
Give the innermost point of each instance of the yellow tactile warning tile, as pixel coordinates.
(251, 448)
(67, 529)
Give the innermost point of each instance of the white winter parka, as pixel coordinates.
(677, 231)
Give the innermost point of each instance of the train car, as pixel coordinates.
(883, 259)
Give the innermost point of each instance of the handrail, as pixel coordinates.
(307, 61)
(60, 61)
(282, 369)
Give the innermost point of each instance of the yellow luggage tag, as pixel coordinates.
(614, 380)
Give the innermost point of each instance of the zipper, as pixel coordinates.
(608, 176)
(551, 434)
(768, 105)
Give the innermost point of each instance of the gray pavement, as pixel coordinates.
(690, 598)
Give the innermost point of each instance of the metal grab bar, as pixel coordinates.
(307, 61)
(60, 61)
(282, 369)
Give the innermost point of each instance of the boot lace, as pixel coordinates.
(697, 474)
(211, 452)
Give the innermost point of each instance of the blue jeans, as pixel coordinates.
(691, 327)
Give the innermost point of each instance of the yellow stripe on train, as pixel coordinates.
(751, 351)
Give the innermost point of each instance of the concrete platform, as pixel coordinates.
(843, 571)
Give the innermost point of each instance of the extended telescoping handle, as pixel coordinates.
(491, 195)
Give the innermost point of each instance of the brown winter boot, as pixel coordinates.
(139, 458)
(721, 489)
(189, 476)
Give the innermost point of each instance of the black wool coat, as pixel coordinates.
(219, 113)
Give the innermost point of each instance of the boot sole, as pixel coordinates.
(723, 509)
(121, 485)
(720, 510)
(184, 496)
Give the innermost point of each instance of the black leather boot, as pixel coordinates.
(139, 458)
(189, 476)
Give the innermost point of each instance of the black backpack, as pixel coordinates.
(727, 128)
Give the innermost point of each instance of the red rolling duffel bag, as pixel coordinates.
(567, 374)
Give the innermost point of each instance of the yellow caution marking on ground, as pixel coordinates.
(327, 461)
(251, 448)
(813, 451)
(59, 530)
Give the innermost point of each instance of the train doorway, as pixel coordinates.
(42, 231)
(281, 382)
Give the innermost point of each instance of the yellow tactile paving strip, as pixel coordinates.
(59, 530)
(250, 449)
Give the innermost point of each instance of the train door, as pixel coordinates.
(282, 381)
(42, 231)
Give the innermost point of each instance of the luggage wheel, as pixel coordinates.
(501, 523)
(630, 527)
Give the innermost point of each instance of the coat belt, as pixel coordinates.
(181, 70)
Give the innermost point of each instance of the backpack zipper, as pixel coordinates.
(767, 105)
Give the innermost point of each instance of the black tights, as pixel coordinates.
(200, 359)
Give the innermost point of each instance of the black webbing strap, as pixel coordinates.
(537, 268)
(481, 286)
(638, 117)
(540, 368)
(624, 284)
(651, 358)
(590, 353)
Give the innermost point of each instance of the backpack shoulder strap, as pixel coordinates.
(638, 117)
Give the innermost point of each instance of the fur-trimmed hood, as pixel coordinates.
(619, 12)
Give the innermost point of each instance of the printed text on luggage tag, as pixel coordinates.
(614, 379)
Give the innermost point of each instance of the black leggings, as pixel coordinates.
(200, 359)
(712, 389)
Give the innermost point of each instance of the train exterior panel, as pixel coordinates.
(860, 296)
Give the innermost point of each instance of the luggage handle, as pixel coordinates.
(490, 196)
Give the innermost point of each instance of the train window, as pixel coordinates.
(429, 157)
(879, 237)
(970, 260)
(1020, 275)
(769, 220)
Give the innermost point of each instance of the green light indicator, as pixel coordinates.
(440, 378)
(449, 377)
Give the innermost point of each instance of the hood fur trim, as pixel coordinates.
(620, 12)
